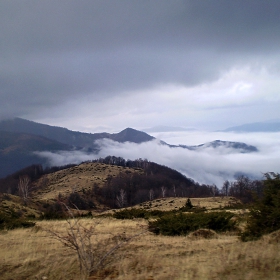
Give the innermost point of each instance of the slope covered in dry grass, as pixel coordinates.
(77, 178)
(34, 254)
(174, 203)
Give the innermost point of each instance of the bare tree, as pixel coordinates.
(225, 188)
(9, 190)
(151, 194)
(213, 189)
(24, 187)
(121, 198)
(174, 190)
(92, 253)
(163, 191)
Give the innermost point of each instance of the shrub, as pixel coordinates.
(193, 209)
(53, 211)
(181, 224)
(91, 252)
(12, 221)
(265, 213)
(130, 214)
(189, 204)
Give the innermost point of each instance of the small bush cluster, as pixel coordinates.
(192, 210)
(53, 211)
(12, 221)
(182, 224)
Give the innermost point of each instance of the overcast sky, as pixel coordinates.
(84, 64)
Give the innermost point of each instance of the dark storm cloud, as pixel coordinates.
(54, 50)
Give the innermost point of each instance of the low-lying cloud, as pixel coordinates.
(209, 165)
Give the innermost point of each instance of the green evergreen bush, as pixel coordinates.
(11, 220)
(264, 215)
(181, 224)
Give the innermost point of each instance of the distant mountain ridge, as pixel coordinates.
(69, 137)
(11, 141)
(256, 127)
(20, 138)
(241, 147)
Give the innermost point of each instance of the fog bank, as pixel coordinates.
(209, 165)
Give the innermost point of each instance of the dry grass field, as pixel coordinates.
(173, 203)
(34, 254)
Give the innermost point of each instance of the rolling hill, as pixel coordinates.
(95, 185)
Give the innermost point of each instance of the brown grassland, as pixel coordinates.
(171, 203)
(34, 254)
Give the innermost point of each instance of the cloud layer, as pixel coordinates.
(210, 166)
(83, 64)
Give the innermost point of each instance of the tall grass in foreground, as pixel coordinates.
(33, 254)
(92, 252)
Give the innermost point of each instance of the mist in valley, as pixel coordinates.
(208, 165)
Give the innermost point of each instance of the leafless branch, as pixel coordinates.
(91, 255)
(121, 198)
(24, 187)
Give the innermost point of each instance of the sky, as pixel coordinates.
(107, 65)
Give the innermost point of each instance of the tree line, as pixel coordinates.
(130, 188)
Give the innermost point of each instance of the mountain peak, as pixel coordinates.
(131, 135)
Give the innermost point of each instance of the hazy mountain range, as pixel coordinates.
(20, 140)
(74, 138)
(267, 126)
(241, 147)
(273, 126)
